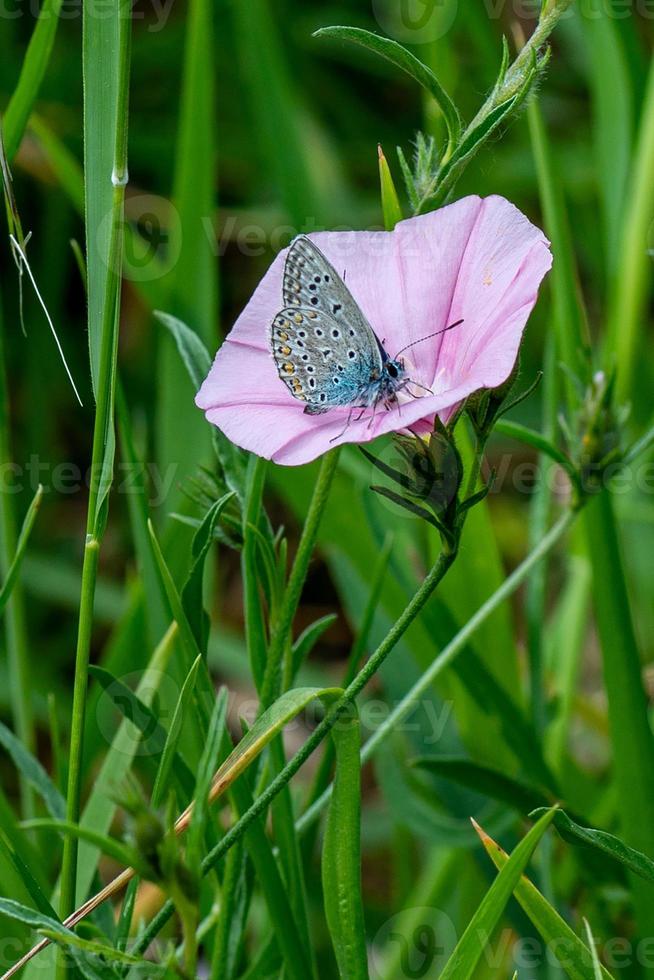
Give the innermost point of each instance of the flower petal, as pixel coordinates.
(479, 260)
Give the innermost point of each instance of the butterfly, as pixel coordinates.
(326, 352)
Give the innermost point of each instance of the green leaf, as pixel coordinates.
(138, 713)
(513, 430)
(597, 966)
(169, 755)
(113, 848)
(100, 807)
(341, 856)
(89, 966)
(469, 950)
(186, 634)
(307, 640)
(19, 554)
(192, 595)
(256, 638)
(575, 957)
(192, 350)
(33, 772)
(33, 69)
(190, 287)
(407, 62)
(101, 55)
(574, 833)
(11, 849)
(482, 779)
(206, 769)
(391, 209)
(198, 362)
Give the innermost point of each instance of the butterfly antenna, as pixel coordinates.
(429, 336)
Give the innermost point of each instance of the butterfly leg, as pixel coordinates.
(346, 426)
(410, 381)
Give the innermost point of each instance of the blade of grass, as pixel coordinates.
(469, 950)
(33, 772)
(613, 112)
(21, 545)
(255, 631)
(160, 788)
(106, 47)
(32, 72)
(574, 956)
(155, 610)
(628, 302)
(183, 439)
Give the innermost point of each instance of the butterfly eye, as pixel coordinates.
(392, 370)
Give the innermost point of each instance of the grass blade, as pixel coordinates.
(468, 951)
(168, 756)
(32, 72)
(575, 957)
(23, 538)
(628, 302)
(33, 772)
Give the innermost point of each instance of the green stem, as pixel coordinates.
(73, 792)
(538, 520)
(101, 466)
(297, 578)
(255, 636)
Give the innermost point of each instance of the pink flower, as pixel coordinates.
(478, 260)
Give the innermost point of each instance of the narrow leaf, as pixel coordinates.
(575, 957)
(469, 950)
(407, 62)
(574, 833)
(33, 772)
(341, 857)
(391, 209)
(19, 554)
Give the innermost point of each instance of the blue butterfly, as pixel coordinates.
(326, 352)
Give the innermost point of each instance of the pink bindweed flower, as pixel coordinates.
(479, 261)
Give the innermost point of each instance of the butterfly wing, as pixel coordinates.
(325, 350)
(319, 362)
